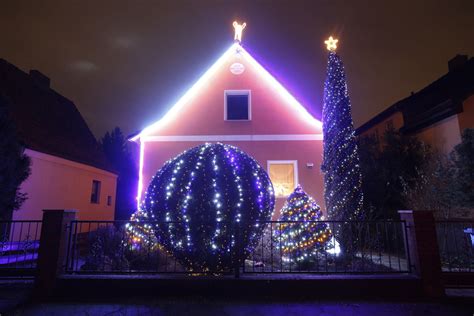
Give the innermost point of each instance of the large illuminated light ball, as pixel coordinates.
(210, 203)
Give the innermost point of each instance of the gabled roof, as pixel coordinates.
(47, 121)
(380, 117)
(438, 100)
(182, 102)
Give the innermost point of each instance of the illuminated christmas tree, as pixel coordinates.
(303, 235)
(342, 174)
(206, 202)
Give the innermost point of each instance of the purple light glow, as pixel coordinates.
(140, 174)
(175, 110)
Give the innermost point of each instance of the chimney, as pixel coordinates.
(40, 79)
(457, 62)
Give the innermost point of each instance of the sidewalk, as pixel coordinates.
(14, 293)
(203, 306)
(14, 301)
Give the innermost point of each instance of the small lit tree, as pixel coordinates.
(302, 233)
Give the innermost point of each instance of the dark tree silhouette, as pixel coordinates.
(118, 153)
(14, 165)
(390, 166)
(462, 158)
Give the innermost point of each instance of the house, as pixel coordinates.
(238, 102)
(68, 168)
(437, 114)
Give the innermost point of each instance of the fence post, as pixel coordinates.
(52, 250)
(423, 249)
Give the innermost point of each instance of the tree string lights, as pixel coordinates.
(342, 173)
(303, 235)
(206, 202)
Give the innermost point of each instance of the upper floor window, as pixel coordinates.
(284, 176)
(237, 105)
(95, 194)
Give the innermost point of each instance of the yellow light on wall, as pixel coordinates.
(331, 43)
(238, 28)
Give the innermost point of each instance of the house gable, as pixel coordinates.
(275, 117)
(201, 110)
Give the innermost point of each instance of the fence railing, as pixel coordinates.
(111, 247)
(354, 247)
(19, 244)
(456, 245)
(343, 247)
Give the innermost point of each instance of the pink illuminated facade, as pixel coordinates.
(238, 102)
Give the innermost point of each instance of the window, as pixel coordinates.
(109, 200)
(95, 195)
(237, 105)
(284, 176)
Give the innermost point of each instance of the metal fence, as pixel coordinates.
(346, 247)
(111, 247)
(354, 247)
(19, 244)
(456, 245)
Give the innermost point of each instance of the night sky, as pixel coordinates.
(125, 63)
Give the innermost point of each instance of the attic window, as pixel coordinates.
(237, 105)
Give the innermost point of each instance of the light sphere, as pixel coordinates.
(210, 203)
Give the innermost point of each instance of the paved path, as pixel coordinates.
(390, 261)
(14, 296)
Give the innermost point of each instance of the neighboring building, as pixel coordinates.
(437, 114)
(68, 168)
(238, 102)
